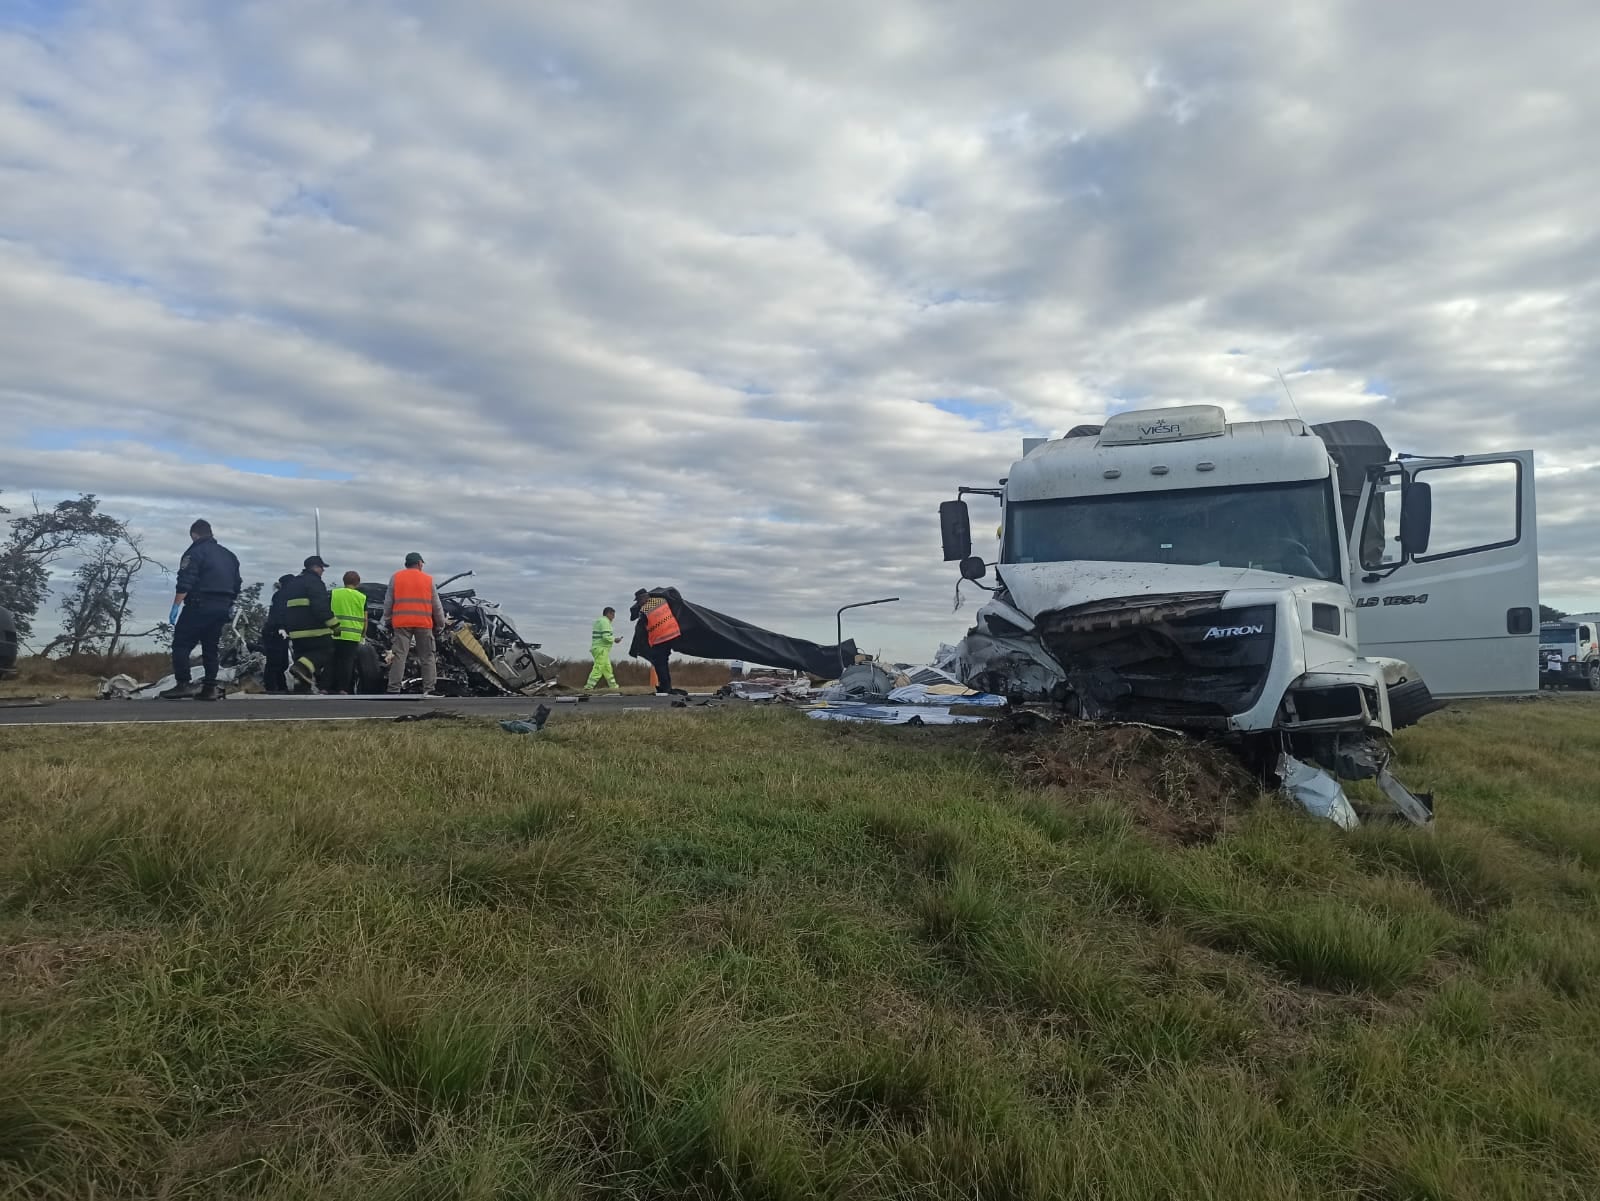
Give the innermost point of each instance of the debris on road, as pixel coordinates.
(126, 688)
(527, 725)
(430, 715)
(945, 694)
(864, 682)
(891, 715)
(766, 689)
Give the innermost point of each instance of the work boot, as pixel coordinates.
(210, 691)
(181, 692)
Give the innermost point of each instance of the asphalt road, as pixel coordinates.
(243, 708)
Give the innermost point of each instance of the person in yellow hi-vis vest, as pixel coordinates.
(350, 607)
(601, 639)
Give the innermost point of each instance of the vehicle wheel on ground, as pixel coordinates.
(370, 676)
(1593, 679)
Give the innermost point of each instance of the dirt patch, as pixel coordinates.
(32, 968)
(1179, 788)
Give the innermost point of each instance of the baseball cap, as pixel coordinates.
(315, 561)
(414, 559)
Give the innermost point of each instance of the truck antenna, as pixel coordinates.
(316, 522)
(1292, 404)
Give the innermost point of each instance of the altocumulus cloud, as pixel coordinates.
(592, 296)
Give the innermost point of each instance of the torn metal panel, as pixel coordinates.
(1417, 807)
(1007, 665)
(1410, 699)
(1317, 792)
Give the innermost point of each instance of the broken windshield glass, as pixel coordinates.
(1287, 528)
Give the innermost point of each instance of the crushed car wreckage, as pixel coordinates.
(481, 652)
(1174, 569)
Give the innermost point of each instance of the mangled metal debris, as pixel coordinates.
(892, 715)
(481, 651)
(1317, 792)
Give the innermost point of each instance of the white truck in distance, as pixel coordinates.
(1288, 588)
(1569, 652)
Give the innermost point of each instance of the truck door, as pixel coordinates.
(1452, 587)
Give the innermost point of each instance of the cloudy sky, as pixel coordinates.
(729, 295)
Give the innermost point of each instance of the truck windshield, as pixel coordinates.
(1558, 635)
(1287, 528)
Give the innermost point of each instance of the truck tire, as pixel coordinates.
(1593, 678)
(370, 676)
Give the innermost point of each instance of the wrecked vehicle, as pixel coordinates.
(1293, 590)
(481, 652)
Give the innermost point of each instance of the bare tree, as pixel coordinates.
(39, 539)
(95, 613)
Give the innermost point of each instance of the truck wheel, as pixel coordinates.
(370, 676)
(1593, 679)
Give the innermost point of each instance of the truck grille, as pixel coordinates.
(1179, 661)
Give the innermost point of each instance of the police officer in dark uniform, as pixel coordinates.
(208, 589)
(308, 615)
(275, 639)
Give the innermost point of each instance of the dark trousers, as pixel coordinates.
(316, 652)
(661, 660)
(200, 624)
(276, 647)
(342, 665)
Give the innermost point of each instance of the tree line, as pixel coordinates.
(96, 608)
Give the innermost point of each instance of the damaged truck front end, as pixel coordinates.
(1233, 667)
(1194, 580)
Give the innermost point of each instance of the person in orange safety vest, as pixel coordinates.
(413, 612)
(661, 634)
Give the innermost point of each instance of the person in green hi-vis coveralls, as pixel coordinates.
(600, 644)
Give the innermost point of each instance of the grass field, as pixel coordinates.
(734, 954)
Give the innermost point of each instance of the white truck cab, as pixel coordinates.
(1174, 568)
(1569, 653)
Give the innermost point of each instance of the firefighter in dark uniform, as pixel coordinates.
(275, 639)
(208, 589)
(309, 617)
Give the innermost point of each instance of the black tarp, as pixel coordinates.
(1356, 448)
(707, 634)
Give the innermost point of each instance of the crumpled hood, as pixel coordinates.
(1037, 588)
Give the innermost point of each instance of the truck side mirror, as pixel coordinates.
(974, 568)
(955, 526)
(1416, 519)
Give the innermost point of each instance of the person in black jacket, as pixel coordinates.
(208, 589)
(311, 625)
(275, 639)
